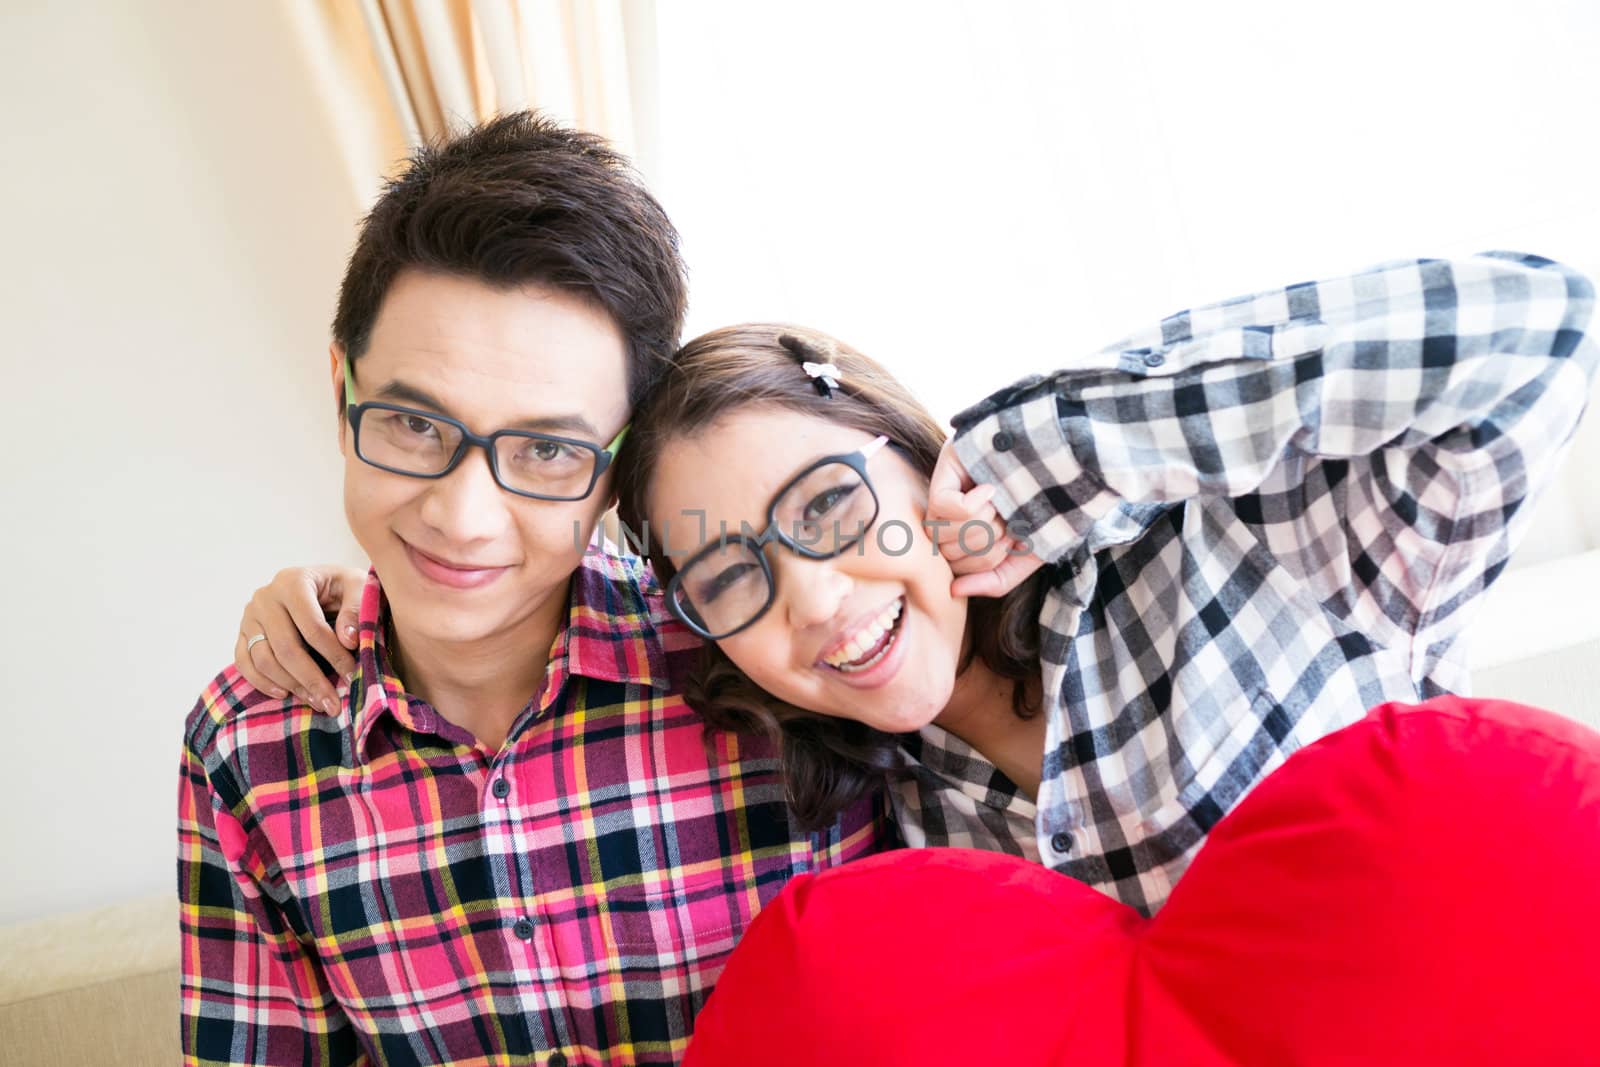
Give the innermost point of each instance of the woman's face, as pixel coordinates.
(872, 634)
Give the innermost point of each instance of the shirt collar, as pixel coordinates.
(616, 630)
(617, 626)
(375, 690)
(935, 753)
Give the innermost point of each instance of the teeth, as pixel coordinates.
(865, 638)
(853, 668)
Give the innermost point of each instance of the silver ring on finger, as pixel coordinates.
(257, 639)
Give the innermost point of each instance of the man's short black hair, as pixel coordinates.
(520, 200)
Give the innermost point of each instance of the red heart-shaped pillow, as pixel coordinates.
(1422, 887)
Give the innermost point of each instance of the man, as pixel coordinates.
(435, 868)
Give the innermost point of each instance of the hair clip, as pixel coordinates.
(824, 375)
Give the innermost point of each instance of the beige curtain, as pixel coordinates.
(397, 73)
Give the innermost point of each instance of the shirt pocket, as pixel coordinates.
(1219, 763)
(698, 913)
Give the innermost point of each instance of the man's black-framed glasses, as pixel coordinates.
(822, 512)
(421, 444)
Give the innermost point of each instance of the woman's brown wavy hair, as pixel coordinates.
(828, 762)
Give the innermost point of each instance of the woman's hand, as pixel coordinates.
(987, 561)
(291, 612)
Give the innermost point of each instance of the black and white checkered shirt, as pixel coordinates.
(1263, 518)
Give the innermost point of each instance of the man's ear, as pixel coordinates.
(336, 373)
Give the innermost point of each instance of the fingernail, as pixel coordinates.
(328, 707)
(276, 694)
(349, 631)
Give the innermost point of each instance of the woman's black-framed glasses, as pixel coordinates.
(421, 444)
(822, 512)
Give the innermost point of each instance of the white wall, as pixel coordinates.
(175, 226)
(971, 192)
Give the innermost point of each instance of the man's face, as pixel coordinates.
(462, 560)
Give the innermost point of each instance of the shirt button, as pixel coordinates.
(524, 929)
(501, 788)
(1003, 441)
(1061, 842)
(1154, 359)
(557, 1059)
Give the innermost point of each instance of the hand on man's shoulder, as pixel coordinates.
(231, 712)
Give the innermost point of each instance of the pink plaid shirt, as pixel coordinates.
(376, 888)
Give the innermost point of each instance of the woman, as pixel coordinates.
(1261, 519)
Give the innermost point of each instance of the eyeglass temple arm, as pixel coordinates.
(616, 442)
